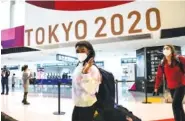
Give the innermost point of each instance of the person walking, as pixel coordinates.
(172, 68)
(85, 84)
(4, 80)
(26, 77)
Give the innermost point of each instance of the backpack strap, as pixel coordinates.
(177, 59)
(180, 64)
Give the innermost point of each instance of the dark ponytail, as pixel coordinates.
(24, 67)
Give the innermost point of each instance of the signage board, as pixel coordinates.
(100, 63)
(51, 26)
(128, 60)
(57, 26)
(12, 37)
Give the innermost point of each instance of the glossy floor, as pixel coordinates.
(43, 104)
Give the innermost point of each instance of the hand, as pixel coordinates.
(156, 90)
(155, 93)
(129, 119)
(87, 66)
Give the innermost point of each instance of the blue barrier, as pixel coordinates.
(53, 81)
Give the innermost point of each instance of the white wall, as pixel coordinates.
(19, 13)
(183, 50)
(113, 64)
(4, 16)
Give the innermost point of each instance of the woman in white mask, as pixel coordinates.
(86, 81)
(173, 68)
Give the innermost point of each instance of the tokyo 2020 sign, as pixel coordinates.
(46, 26)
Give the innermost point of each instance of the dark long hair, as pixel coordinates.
(24, 67)
(90, 48)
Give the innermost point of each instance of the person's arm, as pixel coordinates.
(26, 76)
(159, 77)
(8, 72)
(91, 80)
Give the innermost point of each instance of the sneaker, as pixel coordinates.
(2, 93)
(23, 101)
(26, 103)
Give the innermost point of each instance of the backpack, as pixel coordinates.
(181, 66)
(107, 109)
(177, 59)
(106, 94)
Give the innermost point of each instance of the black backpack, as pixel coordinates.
(106, 94)
(107, 109)
(177, 59)
(179, 63)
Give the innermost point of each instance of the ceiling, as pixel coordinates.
(118, 48)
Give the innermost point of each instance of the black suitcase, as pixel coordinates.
(118, 113)
(127, 113)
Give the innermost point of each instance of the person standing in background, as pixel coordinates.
(174, 73)
(13, 81)
(4, 80)
(26, 76)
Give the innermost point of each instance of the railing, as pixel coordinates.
(116, 89)
(53, 81)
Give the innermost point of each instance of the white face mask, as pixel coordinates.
(166, 52)
(81, 56)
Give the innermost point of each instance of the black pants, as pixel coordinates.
(177, 104)
(25, 97)
(83, 113)
(5, 84)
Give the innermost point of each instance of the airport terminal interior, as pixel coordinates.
(128, 39)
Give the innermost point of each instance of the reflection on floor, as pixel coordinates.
(44, 102)
(52, 91)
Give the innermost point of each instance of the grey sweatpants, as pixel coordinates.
(26, 84)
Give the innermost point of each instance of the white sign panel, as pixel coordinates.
(44, 26)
